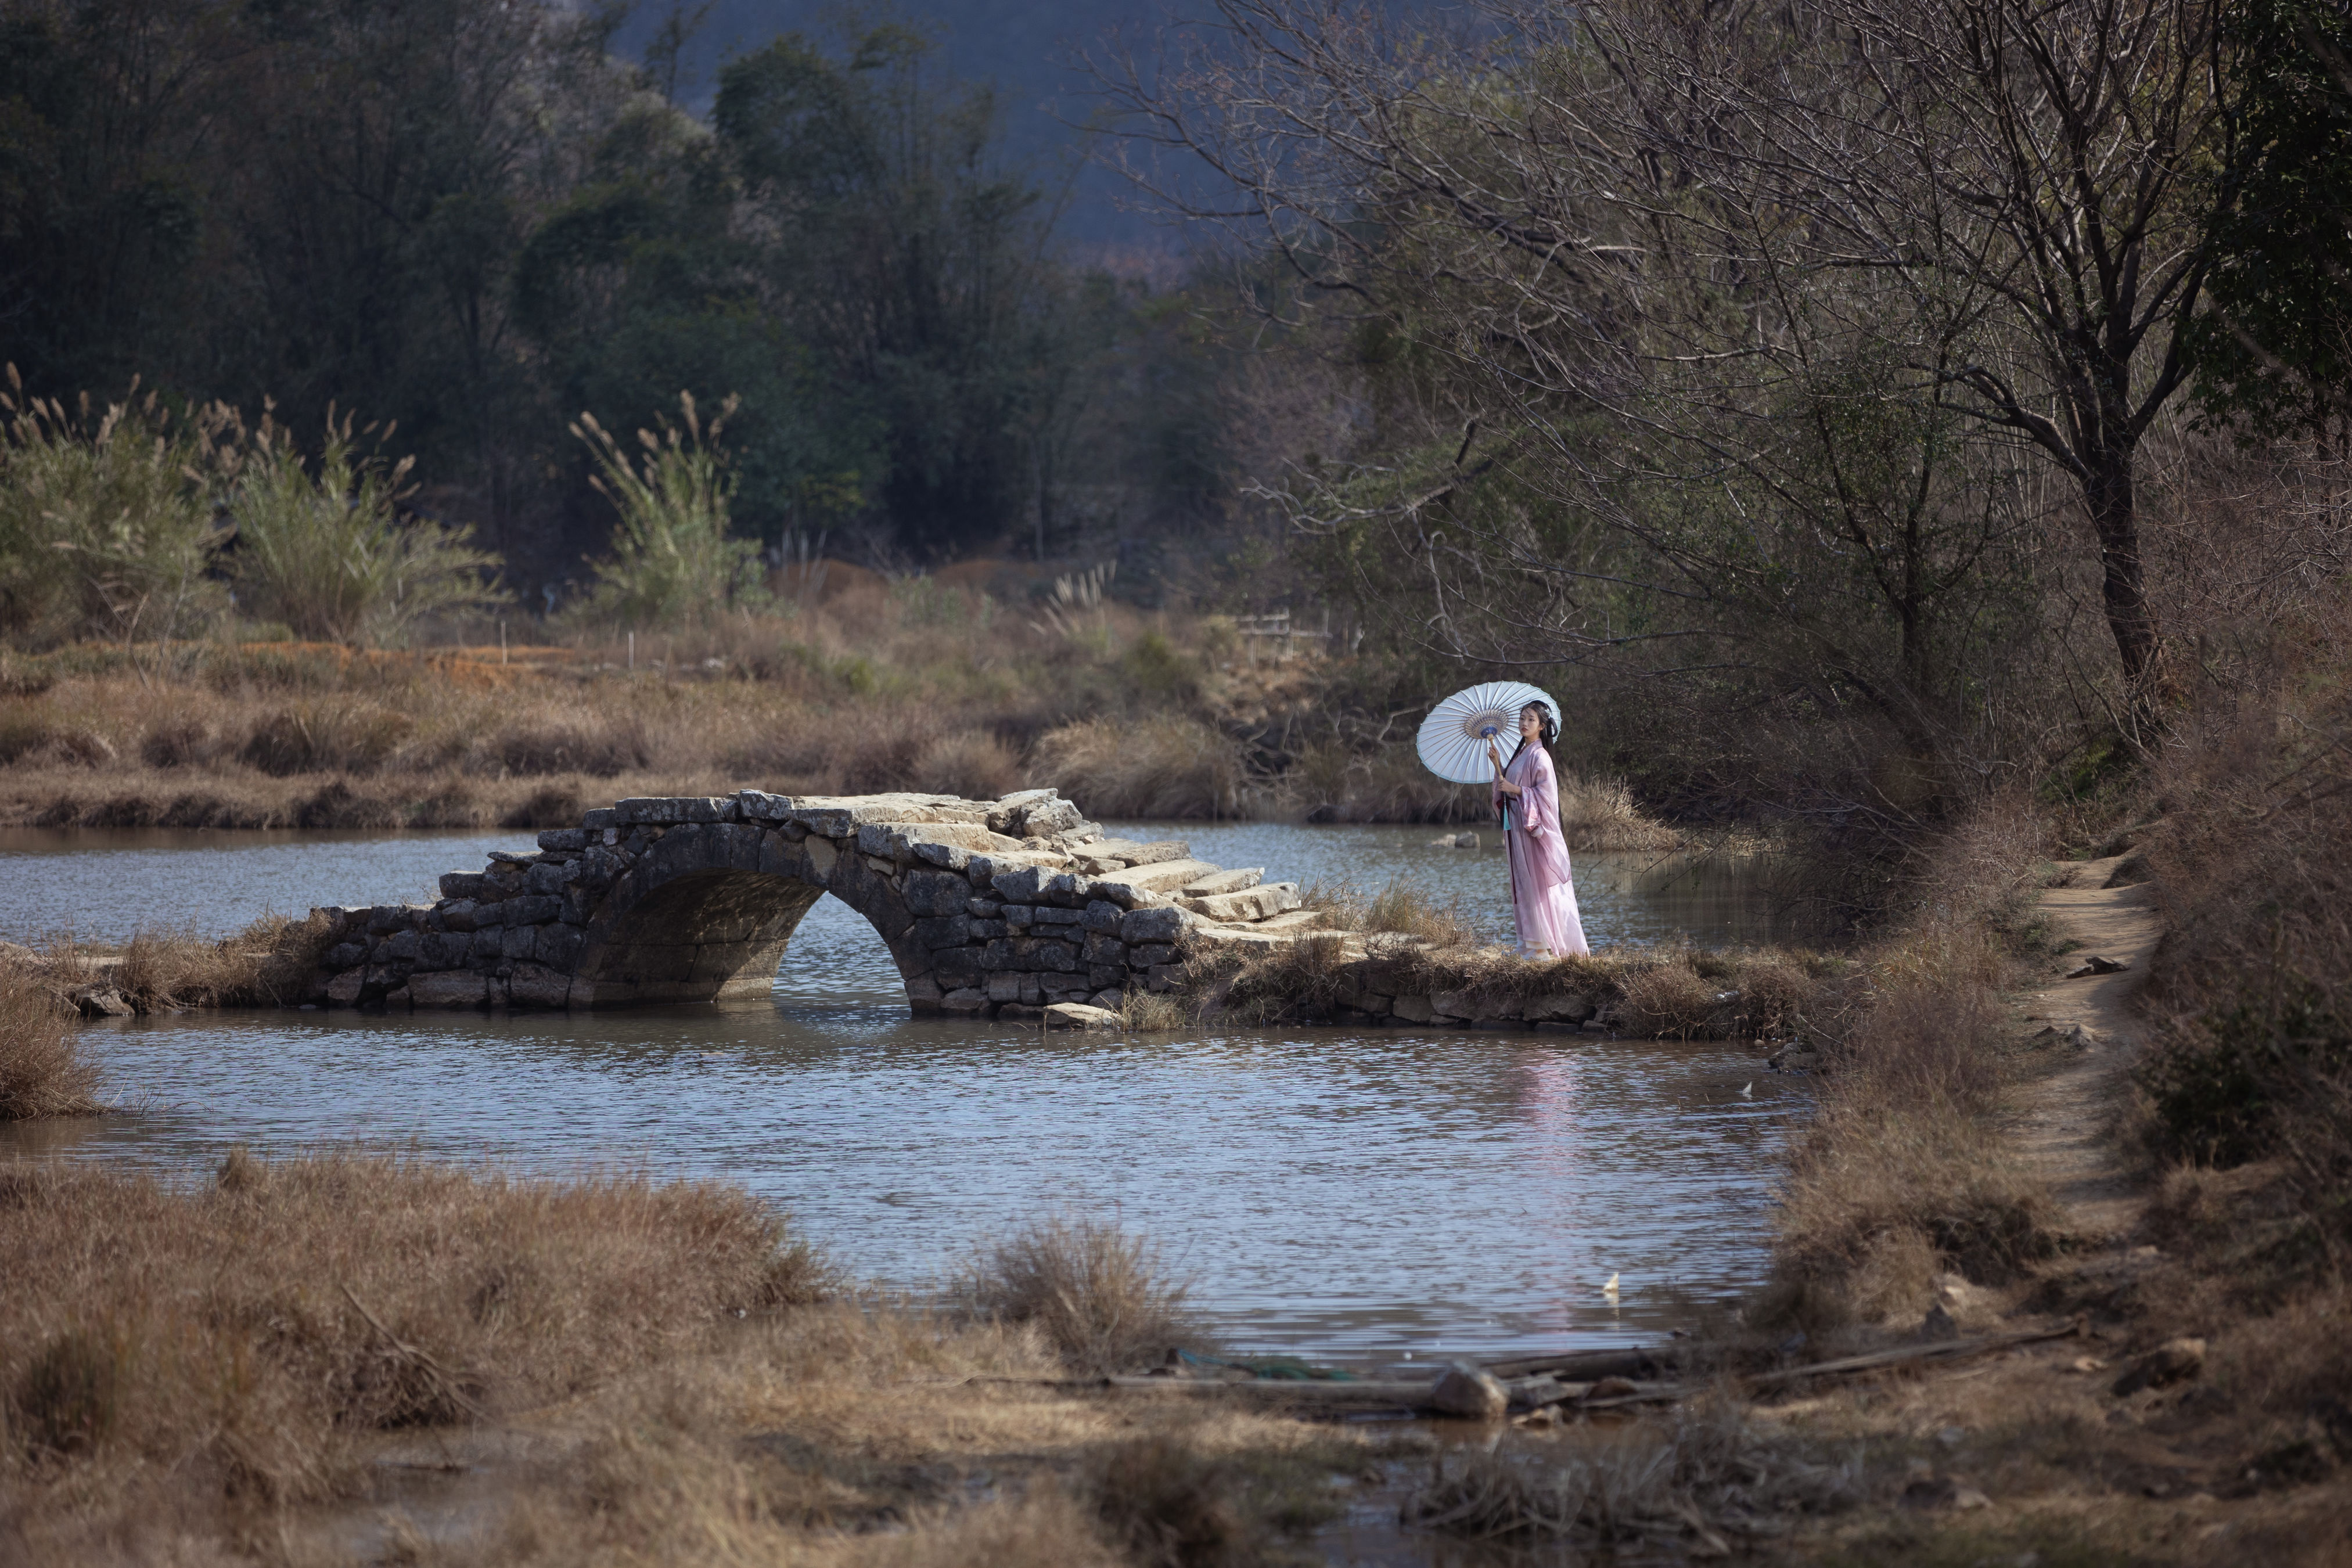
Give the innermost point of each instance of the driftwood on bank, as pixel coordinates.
(1534, 1381)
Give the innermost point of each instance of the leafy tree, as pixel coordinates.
(2274, 349)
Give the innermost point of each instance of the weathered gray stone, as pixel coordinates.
(1469, 1392)
(517, 942)
(486, 944)
(458, 915)
(988, 931)
(1020, 916)
(759, 805)
(461, 884)
(1472, 1006)
(534, 911)
(943, 931)
(456, 988)
(402, 947)
(1066, 889)
(1011, 814)
(934, 892)
(535, 985)
(957, 966)
(667, 811)
(965, 1002)
(1170, 876)
(997, 955)
(561, 839)
(602, 818)
(982, 908)
(1021, 886)
(445, 949)
(1151, 954)
(1100, 976)
(345, 954)
(1256, 904)
(343, 989)
(1056, 915)
(1103, 916)
(1413, 1009)
(1561, 1006)
(547, 881)
(557, 947)
(1226, 881)
(1164, 923)
(1037, 953)
(1079, 1015)
(1102, 949)
(954, 856)
(1004, 986)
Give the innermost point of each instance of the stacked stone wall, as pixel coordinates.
(990, 908)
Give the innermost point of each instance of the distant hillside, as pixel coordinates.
(1025, 49)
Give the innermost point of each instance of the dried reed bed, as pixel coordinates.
(1167, 768)
(246, 1331)
(268, 963)
(1902, 1171)
(43, 1072)
(185, 1373)
(914, 685)
(1104, 1298)
(1400, 942)
(1700, 1481)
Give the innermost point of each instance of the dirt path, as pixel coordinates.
(2061, 1127)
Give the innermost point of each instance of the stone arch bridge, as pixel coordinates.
(990, 908)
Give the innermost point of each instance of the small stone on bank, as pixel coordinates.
(1468, 1391)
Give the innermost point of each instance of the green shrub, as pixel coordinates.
(673, 562)
(106, 530)
(329, 556)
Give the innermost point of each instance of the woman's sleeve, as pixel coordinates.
(1544, 797)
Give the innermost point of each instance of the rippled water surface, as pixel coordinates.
(1364, 1194)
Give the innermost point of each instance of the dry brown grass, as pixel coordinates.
(1399, 943)
(1165, 767)
(1901, 1163)
(43, 1072)
(249, 1328)
(1104, 1298)
(268, 965)
(1701, 1481)
(183, 1375)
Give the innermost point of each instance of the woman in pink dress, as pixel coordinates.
(1526, 790)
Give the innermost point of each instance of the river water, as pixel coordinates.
(1371, 1196)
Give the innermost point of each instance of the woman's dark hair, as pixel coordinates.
(1548, 733)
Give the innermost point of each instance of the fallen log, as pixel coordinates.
(1588, 1366)
(1878, 1360)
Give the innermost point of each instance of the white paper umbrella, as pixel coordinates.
(1453, 737)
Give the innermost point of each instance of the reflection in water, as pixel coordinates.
(1366, 1195)
(1357, 1195)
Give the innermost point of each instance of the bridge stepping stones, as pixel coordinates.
(1008, 907)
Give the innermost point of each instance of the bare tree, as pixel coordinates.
(1699, 218)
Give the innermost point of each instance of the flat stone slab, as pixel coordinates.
(1079, 1015)
(1256, 904)
(1166, 878)
(1225, 882)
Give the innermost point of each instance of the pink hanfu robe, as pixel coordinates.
(1543, 893)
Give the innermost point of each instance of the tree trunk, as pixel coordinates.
(2114, 505)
